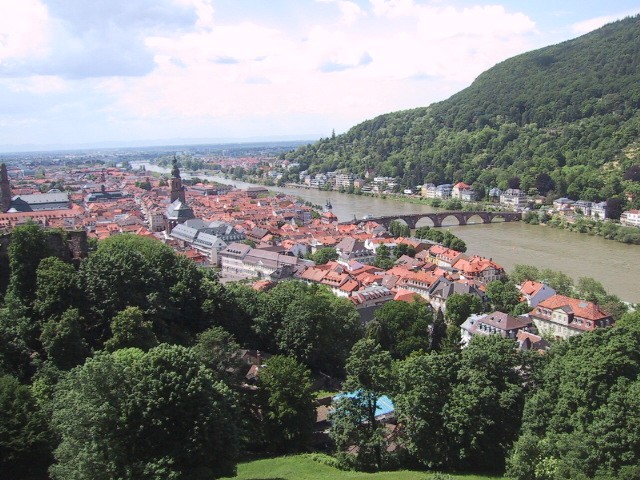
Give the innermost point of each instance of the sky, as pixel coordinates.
(88, 72)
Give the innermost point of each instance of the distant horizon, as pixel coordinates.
(155, 144)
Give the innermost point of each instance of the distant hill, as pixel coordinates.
(569, 110)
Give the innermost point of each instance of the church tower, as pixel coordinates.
(5, 189)
(178, 211)
(177, 190)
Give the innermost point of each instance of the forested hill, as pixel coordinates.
(570, 110)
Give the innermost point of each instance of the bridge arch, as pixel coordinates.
(499, 218)
(447, 217)
(409, 222)
(425, 221)
(475, 219)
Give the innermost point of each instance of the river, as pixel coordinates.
(615, 265)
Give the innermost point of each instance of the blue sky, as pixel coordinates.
(83, 72)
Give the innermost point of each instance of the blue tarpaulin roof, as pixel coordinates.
(384, 404)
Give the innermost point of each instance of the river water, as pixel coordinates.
(615, 265)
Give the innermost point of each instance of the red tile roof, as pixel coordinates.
(580, 308)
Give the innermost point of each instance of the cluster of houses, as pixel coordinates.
(249, 234)
(552, 316)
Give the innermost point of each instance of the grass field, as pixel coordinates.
(307, 467)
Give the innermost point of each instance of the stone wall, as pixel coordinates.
(70, 246)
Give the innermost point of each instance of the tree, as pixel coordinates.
(544, 183)
(63, 342)
(632, 173)
(28, 246)
(287, 404)
(456, 244)
(383, 257)
(308, 323)
(615, 207)
(581, 422)
(438, 332)
(399, 229)
(461, 306)
(504, 295)
(112, 281)
(133, 271)
(56, 288)
(354, 418)
(24, 436)
(401, 327)
(131, 414)
(560, 282)
(404, 249)
(319, 330)
(271, 308)
(218, 349)
(590, 289)
(420, 406)
(130, 329)
(522, 273)
(234, 307)
(513, 182)
(484, 411)
(324, 255)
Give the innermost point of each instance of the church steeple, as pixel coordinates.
(177, 190)
(5, 189)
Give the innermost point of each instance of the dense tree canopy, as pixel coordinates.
(420, 406)
(287, 404)
(70, 383)
(308, 323)
(484, 410)
(584, 420)
(24, 437)
(401, 327)
(134, 415)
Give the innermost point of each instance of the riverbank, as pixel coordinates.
(580, 224)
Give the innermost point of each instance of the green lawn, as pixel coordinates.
(304, 467)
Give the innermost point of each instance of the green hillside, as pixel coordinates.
(570, 110)
(312, 467)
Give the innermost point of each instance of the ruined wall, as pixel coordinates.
(70, 246)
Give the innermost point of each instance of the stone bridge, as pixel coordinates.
(438, 218)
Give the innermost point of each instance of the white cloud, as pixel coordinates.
(248, 69)
(204, 10)
(24, 29)
(187, 68)
(591, 24)
(349, 11)
(587, 26)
